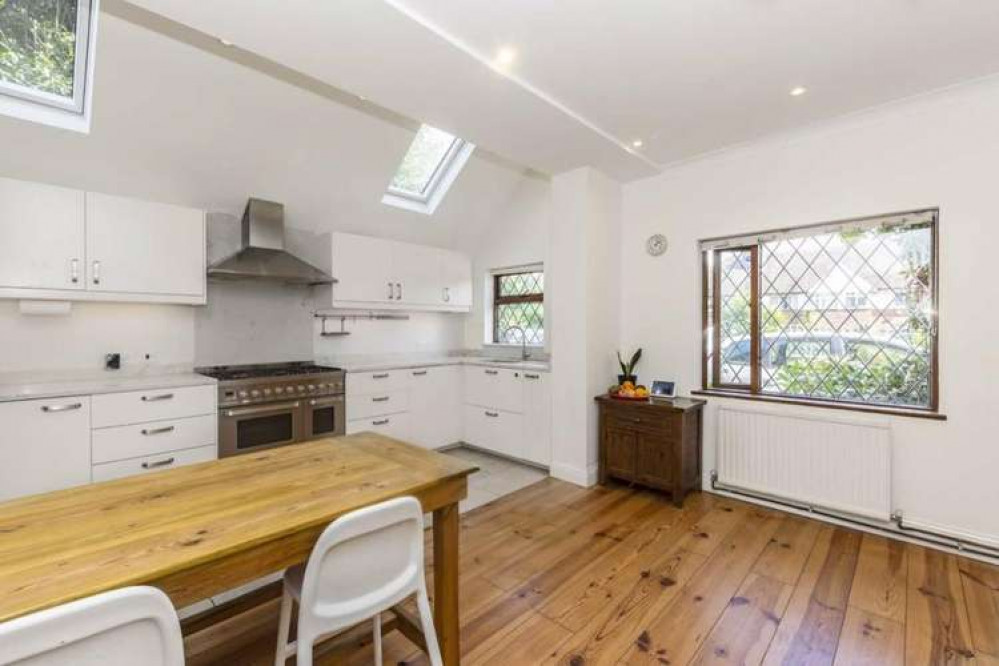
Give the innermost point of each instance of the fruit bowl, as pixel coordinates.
(629, 398)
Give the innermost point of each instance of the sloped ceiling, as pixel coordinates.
(178, 124)
(686, 77)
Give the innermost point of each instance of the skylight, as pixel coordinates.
(431, 164)
(46, 60)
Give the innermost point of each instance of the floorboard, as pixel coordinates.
(556, 574)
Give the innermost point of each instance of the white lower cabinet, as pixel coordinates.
(495, 430)
(156, 463)
(44, 445)
(435, 405)
(509, 412)
(390, 425)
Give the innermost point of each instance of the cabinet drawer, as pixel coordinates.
(640, 420)
(389, 402)
(150, 464)
(495, 430)
(147, 439)
(394, 425)
(364, 383)
(495, 388)
(115, 409)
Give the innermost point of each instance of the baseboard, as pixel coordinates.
(572, 474)
(960, 535)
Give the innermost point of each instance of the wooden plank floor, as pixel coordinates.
(555, 574)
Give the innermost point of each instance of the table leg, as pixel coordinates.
(446, 582)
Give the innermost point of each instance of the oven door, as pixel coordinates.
(249, 429)
(324, 417)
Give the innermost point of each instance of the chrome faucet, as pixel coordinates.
(523, 341)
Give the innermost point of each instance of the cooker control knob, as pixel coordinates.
(278, 390)
(312, 387)
(243, 394)
(300, 388)
(254, 393)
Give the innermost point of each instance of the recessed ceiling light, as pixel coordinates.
(637, 143)
(798, 91)
(505, 56)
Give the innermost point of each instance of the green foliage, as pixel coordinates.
(38, 44)
(628, 369)
(858, 377)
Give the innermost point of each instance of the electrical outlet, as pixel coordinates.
(112, 361)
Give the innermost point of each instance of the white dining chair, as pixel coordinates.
(133, 625)
(364, 563)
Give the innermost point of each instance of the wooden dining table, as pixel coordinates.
(199, 530)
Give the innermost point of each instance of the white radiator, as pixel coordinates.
(833, 463)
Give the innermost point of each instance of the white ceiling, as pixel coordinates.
(685, 76)
(177, 124)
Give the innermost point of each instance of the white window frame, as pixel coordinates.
(440, 181)
(42, 107)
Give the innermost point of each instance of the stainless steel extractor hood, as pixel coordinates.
(262, 255)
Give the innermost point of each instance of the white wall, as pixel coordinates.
(582, 306)
(79, 340)
(518, 236)
(940, 150)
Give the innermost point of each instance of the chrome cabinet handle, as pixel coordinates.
(419, 373)
(62, 408)
(157, 398)
(492, 414)
(326, 402)
(391, 291)
(158, 463)
(527, 376)
(383, 375)
(97, 272)
(447, 294)
(398, 286)
(384, 398)
(492, 372)
(157, 431)
(74, 270)
(381, 422)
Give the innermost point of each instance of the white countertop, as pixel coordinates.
(50, 384)
(372, 363)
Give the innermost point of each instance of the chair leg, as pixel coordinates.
(429, 632)
(377, 639)
(284, 628)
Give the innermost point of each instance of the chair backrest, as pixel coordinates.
(134, 625)
(363, 563)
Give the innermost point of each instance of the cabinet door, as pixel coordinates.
(45, 445)
(416, 269)
(139, 247)
(537, 401)
(654, 464)
(456, 279)
(363, 266)
(494, 430)
(621, 450)
(497, 388)
(435, 409)
(41, 236)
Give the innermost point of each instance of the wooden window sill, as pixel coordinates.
(825, 404)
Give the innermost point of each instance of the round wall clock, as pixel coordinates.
(656, 245)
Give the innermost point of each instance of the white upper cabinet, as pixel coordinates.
(456, 274)
(64, 244)
(390, 275)
(363, 266)
(41, 236)
(138, 247)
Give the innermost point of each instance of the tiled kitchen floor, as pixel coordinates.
(496, 477)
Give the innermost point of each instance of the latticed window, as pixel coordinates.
(519, 307)
(842, 312)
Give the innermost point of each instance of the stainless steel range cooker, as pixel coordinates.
(274, 404)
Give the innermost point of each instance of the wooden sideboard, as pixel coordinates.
(656, 444)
